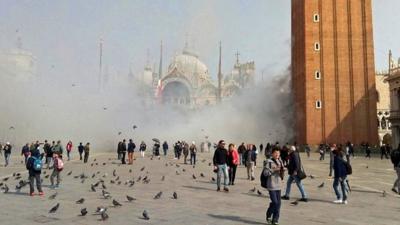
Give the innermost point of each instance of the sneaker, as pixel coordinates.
(41, 193)
(303, 200)
(269, 221)
(226, 189)
(32, 194)
(285, 197)
(345, 202)
(338, 201)
(275, 223)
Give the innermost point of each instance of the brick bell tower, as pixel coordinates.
(333, 71)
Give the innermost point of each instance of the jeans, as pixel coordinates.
(296, 179)
(232, 174)
(26, 158)
(193, 159)
(341, 181)
(397, 182)
(56, 173)
(165, 152)
(222, 169)
(240, 158)
(275, 205)
(38, 183)
(7, 157)
(123, 157)
(80, 155)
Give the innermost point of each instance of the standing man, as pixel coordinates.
(395, 158)
(307, 150)
(25, 152)
(87, 150)
(69, 149)
(34, 166)
(142, 148)
(321, 152)
(131, 150)
(165, 147)
(123, 151)
(294, 168)
(81, 148)
(383, 151)
(58, 149)
(220, 159)
(367, 151)
(185, 151)
(7, 153)
(249, 158)
(193, 152)
(48, 152)
(241, 151)
(274, 169)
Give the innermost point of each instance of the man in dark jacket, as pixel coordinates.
(340, 174)
(123, 151)
(249, 160)
(165, 147)
(34, 172)
(131, 150)
(241, 151)
(81, 148)
(294, 167)
(220, 160)
(25, 152)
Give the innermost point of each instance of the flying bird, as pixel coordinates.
(80, 201)
(54, 209)
(84, 212)
(158, 195)
(145, 215)
(134, 126)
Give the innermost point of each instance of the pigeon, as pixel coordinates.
(69, 173)
(83, 181)
(158, 195)
(130, 199)
(92, 188)
(253, 190)
(119, 133)
(311, 176)
(130, 170)
(162, 178)
(1, 184)
(367, 167)
(259, 193)
(117, 179)
(103, 186)
(384, 193)
(145, 215)
(209, 164)
(112, 181)
(194, 177)
(183, 170)
(142, 168)
(101, 210)
(104, 216)
(321, 185)
(80, 201)
(139, 179)
(134, 126)
(212, 179)
(294, 203)
(119, 182)
(114, 173)
(94, 174)
(175, 195)
(6, 189)
(53, 196)
(84, 212)
(115, 203)
(106, 194)
(6, 179)
(202, 175)
(177, 173)
(54, 209)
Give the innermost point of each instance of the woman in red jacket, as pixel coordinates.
(233, 162)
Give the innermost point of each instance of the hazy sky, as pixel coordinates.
(64, 35)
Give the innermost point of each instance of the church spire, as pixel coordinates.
(160, 66)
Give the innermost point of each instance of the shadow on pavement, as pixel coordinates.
(234, 218)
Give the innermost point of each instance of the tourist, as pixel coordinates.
(193, 152)
(331, 156)
(34, 166)
(81, 148)
(340, 174)
(165, 148)
(25, 152)
(367, 151)
(321, 150)
(384, 152)
(249, 158)
(156, 149)
(275, 170)
(348, 151)
(142, 148)
(7, 153)
(267, 152)
(220, 159)
(294, 168)
(261, 147)
(57, 168)
(58, 149)
(119, 150)
(395, 158)
(241, 151)
(255, 152)
(87, 151)
(131, 150)
(48, 152)
(233, 162)
(69, 149)
(285, 154)
(123, 151)
(307, 149)
(185, 152)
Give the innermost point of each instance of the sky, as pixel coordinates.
(64, 35)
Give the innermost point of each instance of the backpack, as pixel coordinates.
(349, 169)
(59, 164)
(395, 157)
(265, 175)
(37, 164)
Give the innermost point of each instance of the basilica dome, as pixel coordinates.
(189, 65)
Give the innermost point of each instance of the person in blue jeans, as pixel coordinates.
(220, 159)
(294, 166)
(340, 175)
(273, 168)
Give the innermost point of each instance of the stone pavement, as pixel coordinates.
(198, 202)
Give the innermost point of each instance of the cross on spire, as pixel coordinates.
(237, 57)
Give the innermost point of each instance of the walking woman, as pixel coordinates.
(275, 170)
(233, 162)
(340, 174)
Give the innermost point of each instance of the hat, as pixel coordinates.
(8, 143)
(193, 142)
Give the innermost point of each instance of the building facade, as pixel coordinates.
(383, 108)
(393, 79)
(333, 71)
